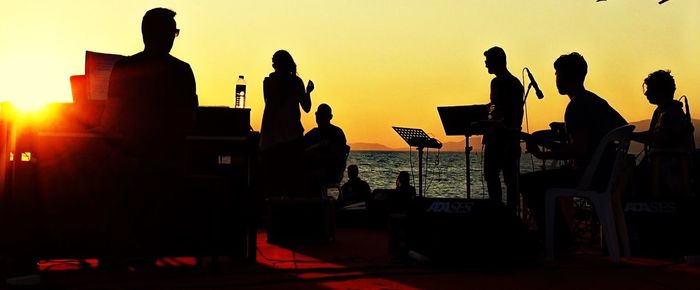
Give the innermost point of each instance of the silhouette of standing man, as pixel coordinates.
(150, 107)
(152, 95)
(502, 140)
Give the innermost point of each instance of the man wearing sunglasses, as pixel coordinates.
(150, 108)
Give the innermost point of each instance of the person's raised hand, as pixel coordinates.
(310, 87)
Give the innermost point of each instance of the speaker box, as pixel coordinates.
(663, 228)
(222, 121)
(464, 232)
(301, 220)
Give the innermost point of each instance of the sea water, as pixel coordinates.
(444, 172)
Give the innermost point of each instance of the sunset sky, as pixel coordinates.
(377, 63)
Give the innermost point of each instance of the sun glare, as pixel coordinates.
(25, 110)
(29, 106)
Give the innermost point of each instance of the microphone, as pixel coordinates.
(533, 83)
(687, 108)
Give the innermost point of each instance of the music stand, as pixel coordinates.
(464, 121)
(419, 139)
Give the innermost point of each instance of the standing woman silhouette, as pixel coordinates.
(281, 133)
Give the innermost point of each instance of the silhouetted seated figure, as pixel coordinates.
(325, 150)
(405, 193)
(355, 190)
(151, 106)
(386, 204)
(665, 171)
(588, 118)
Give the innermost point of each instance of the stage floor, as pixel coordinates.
(359, 260)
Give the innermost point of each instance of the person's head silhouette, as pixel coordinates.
(495, 60)
(353, 171)
(570, 70)
(323, 115)
(403, 180)
(283, 62)
(659, 87)
(159, 30)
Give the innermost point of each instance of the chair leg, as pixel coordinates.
(621, 224)
(550, 204)
(605, 215)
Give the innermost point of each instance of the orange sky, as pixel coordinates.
(377, 63)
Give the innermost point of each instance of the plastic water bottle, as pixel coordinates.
(240, 92)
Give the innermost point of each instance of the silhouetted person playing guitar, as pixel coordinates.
(588, 119)
(665, 171)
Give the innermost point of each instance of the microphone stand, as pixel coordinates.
(519, 208)
(420, 170)
(527, 93)
(467, 150)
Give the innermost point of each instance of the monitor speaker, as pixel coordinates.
(467, 232)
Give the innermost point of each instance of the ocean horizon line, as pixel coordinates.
(475, 141)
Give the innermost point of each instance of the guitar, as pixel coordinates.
(545, 138)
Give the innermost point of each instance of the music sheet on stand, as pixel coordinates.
(98, 68)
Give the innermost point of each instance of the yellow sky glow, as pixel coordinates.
(377, 63)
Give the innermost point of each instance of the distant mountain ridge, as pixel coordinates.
(475, 141)
(360, 146)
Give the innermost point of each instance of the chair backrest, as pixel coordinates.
(341, 168)
(618, 137)
(338, 178)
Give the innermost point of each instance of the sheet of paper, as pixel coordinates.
(98, 67)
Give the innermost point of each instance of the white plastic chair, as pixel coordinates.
(606, 204)
(336, 184)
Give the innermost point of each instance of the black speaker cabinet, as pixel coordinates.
(301, 220)
(663, 228)
(467, 232)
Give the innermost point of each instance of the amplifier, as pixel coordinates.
(468, 232)
(663, 227)
(222, 121)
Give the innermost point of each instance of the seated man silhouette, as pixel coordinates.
(385, 202)
(150, 108)
(669, 142)
(588, 118)
(355, 189)
(325, 150)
